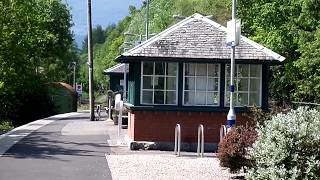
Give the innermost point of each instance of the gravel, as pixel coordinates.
(165, 166)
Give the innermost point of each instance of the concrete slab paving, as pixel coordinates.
(68, 148)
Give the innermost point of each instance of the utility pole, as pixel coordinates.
(74, 74)
(90, 62)
(231, 117)
(147, 20)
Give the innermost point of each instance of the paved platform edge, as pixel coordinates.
(12, 137)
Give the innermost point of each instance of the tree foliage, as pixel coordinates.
(35, 48)
(289, 28)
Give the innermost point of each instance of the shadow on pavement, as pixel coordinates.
(44, 145)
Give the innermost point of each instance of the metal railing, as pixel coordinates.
(200, 141)
(177, 140)
(223, 131)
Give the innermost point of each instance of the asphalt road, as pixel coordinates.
(72, 148)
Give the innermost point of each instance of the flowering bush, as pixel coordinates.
(288, 147)
(233, 148)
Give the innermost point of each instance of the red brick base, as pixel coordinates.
(159, 126)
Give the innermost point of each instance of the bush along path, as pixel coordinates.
(288, 147)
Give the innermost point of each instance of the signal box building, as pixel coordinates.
(181, 76)
(116, 77)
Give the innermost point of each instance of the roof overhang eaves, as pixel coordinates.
(132, 59)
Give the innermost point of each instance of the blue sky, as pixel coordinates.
(104, 12)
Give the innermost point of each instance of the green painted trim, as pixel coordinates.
(222, 84)
(137, 79)
(131, 59)
(180, 84)
(115, 82)
(186, 109)
(265, 88)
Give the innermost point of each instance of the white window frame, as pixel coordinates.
(206, 91)
(165, 84)
(227, 89)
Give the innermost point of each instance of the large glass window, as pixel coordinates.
(159, 83)
(247, 85)
(201, 84)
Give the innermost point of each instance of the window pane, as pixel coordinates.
(200, 98)
(242, 99)
(212, 99)
(255, 85)
(255, 70)
(172, 69)
(254, 99)
(159, 68)
(189, 98)
(201, 83)
(147, 68)
(201, 70)
(158, 97)
(243, 70)
(228, 69)
(190, 69)
(147, 97)
(189, 83)
(159, 83)
(243, 84)
(213, 84)
(147, 82)
(228, 84)
(171, 83)
(227, 99)
(213, 70)
(170, 97)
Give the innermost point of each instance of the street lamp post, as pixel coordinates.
(231, 117)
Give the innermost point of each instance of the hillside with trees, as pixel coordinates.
(290, 28)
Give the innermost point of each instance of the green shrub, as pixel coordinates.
(288, 147)
(233, 148)
(5, 126)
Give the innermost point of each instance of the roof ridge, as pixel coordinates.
(163, 33)
(267, 52)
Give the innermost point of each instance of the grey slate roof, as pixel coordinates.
(116, 69)
(199, 37)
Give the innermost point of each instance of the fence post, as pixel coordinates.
(200, 140)
(177, 140)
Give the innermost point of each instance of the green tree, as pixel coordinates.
(35, 43)
(285, 27)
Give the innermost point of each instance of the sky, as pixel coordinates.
(104, 12)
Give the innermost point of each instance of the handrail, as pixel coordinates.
(200, 140)
(177, 140)
(223, 132)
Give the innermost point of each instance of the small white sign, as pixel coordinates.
(118, 102)
(233, 32)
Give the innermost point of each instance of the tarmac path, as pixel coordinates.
(71, 148)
